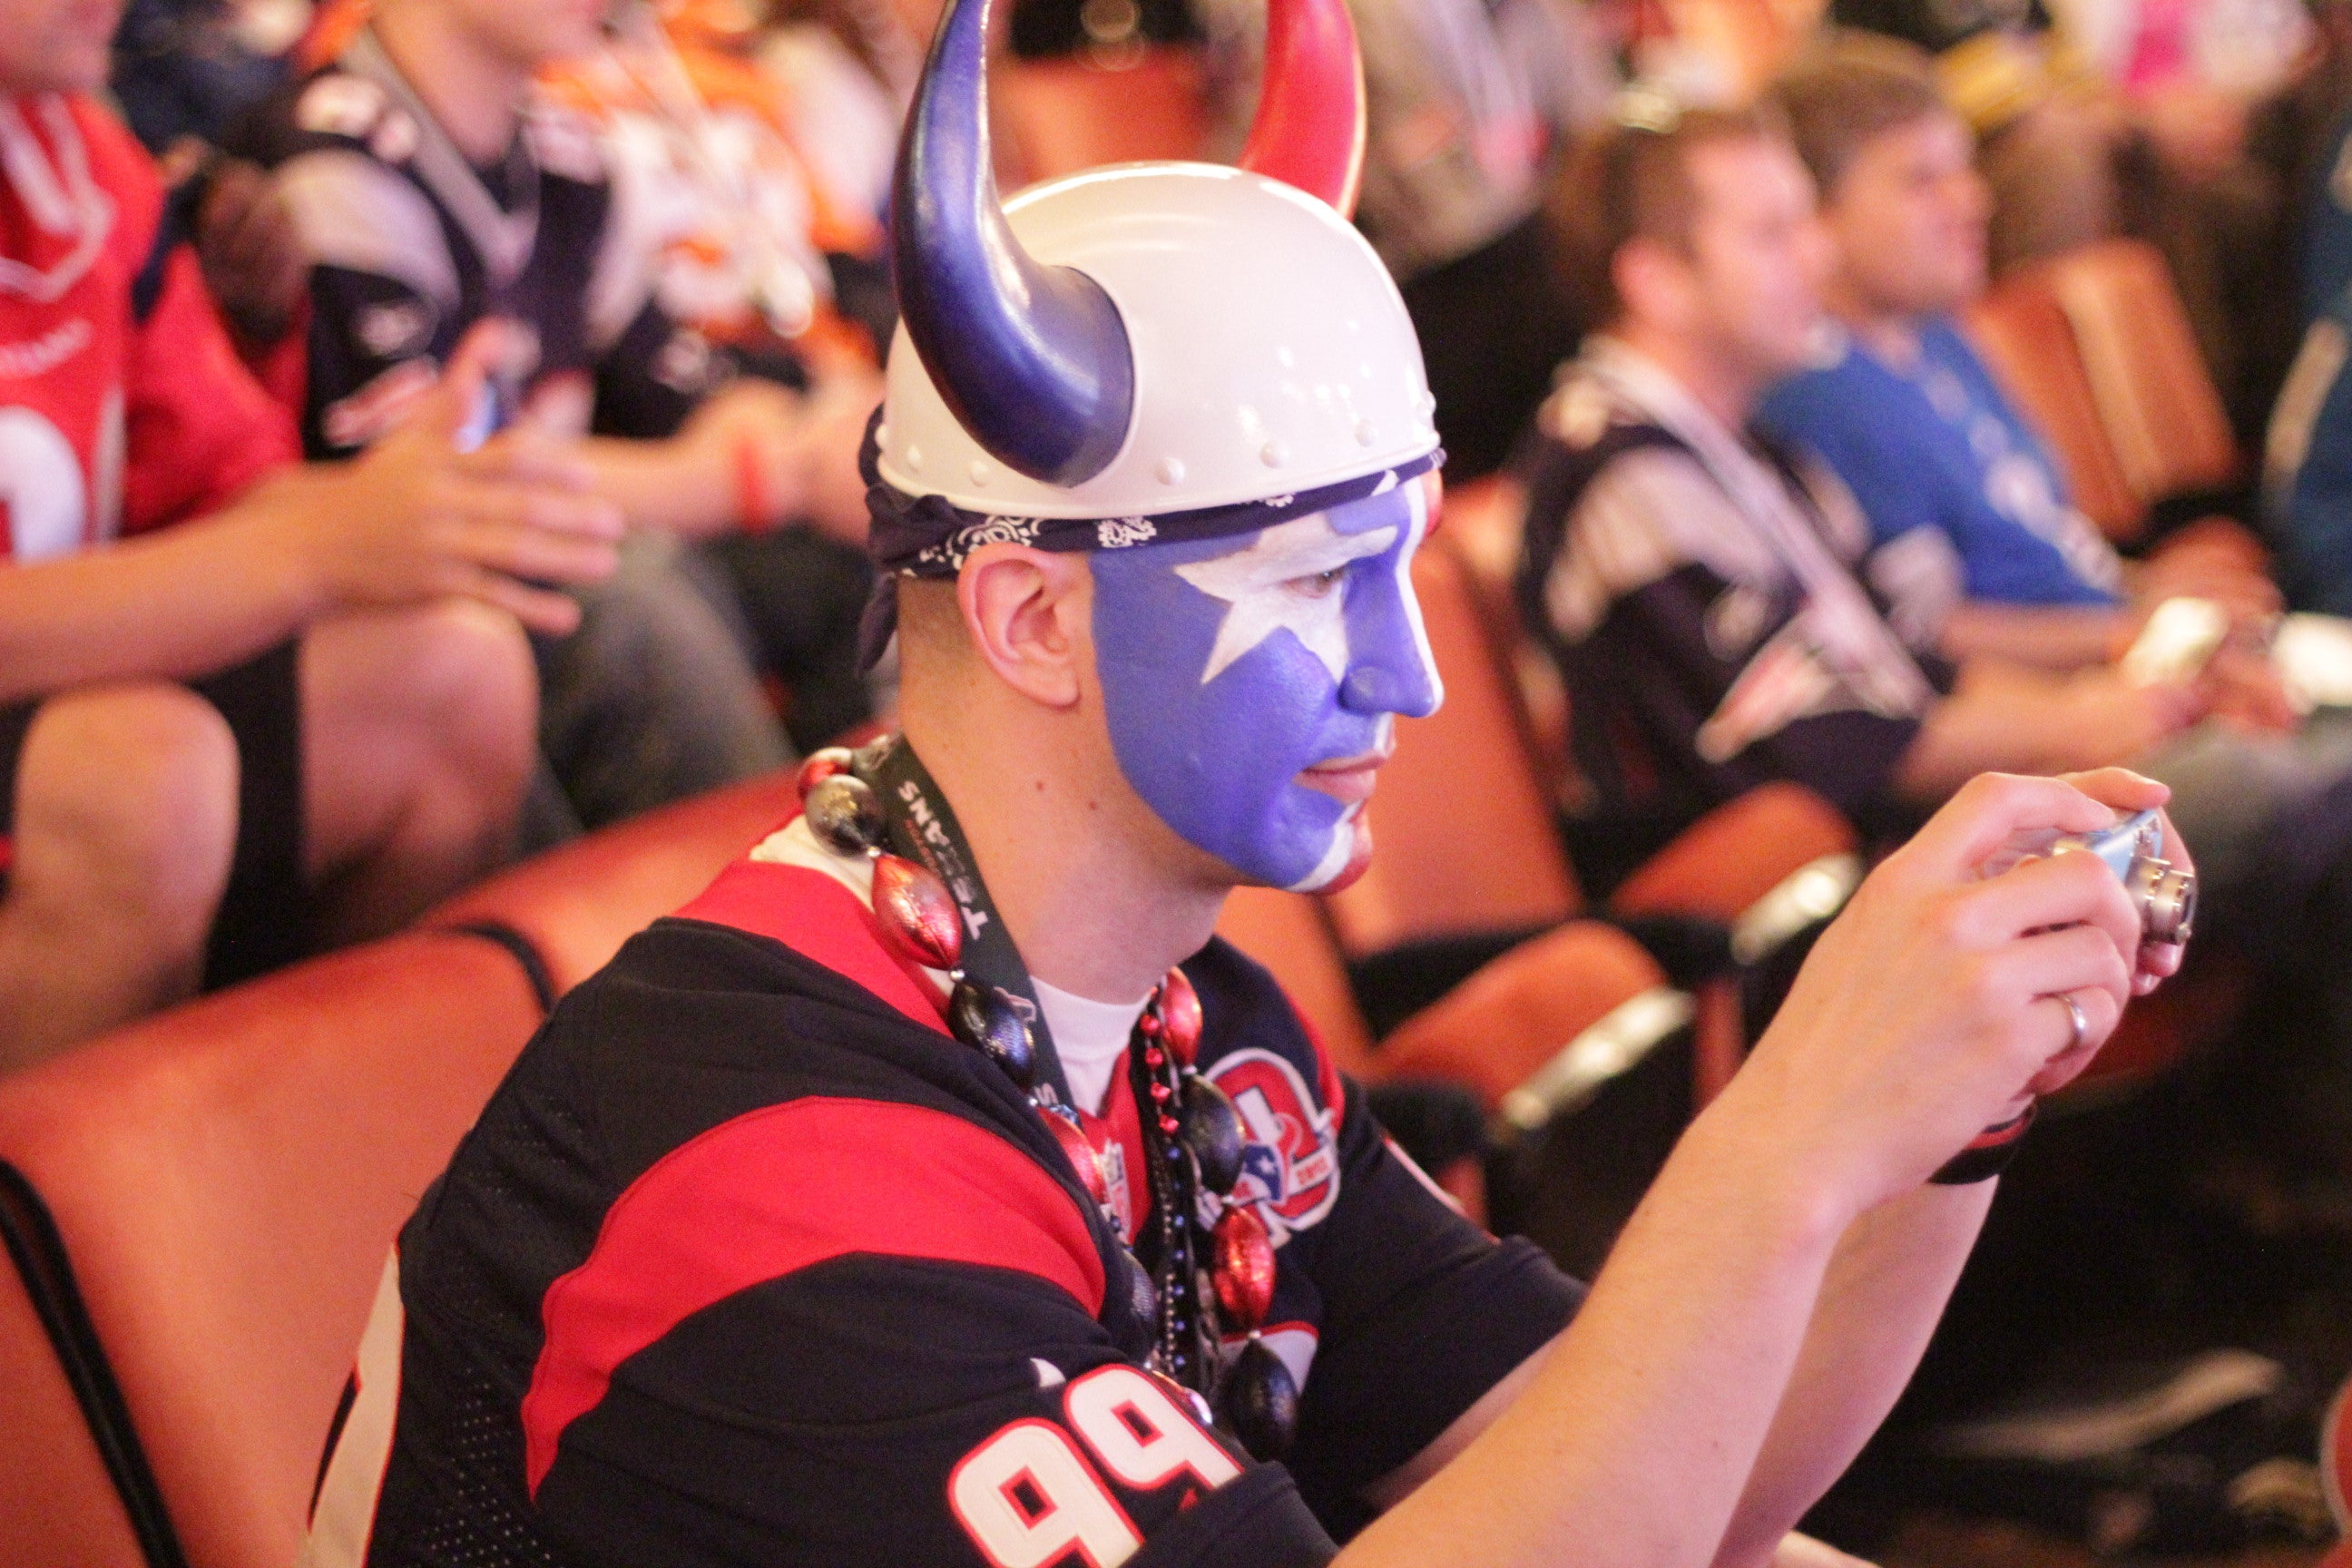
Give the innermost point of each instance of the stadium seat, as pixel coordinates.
(1291, 935)
(2096, 345)
(1463, 829)
(223, 1181)
(1059, 116)
(58, 1504)
(573, 907)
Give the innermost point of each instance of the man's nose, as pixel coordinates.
(1389, 670)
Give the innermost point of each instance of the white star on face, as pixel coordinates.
(1270, 587)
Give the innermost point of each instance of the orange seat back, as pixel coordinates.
(1727, 860)
(1289, 934)
(576, 905)
(1463, 833)
(57, 1503)
(2097, 347)
(1063, 115)
(226, 1178)
(1493, 1030)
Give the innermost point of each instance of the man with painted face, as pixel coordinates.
(934, 1189)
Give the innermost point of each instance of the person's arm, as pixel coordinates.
(2006, 717)
(753, 455)
(409, 522)
(1656, 1423)
(2043, 636)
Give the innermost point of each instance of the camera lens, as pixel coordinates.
(2166, 897)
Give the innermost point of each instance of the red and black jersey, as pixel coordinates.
(122, 406)
(411, 245)
(749, 1261)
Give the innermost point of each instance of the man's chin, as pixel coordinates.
(1346, 861)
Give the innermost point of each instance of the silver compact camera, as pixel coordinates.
(2164, 894)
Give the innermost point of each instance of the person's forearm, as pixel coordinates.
(166, 606)
(2005, 719)
(1634, 1439)
(1886, 1287)
(2047, 636)
(677, 486)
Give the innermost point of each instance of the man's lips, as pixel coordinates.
(1348, 779)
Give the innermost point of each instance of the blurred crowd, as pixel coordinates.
(431, 429)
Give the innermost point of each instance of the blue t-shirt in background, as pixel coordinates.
(1940, 446)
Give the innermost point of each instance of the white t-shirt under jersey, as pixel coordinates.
(1090, 1038)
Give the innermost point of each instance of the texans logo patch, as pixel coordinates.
(1290, 1163)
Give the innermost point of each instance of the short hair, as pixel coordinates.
(1632, 180)
(1855, 89)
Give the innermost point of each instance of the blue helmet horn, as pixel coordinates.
(1032, 360)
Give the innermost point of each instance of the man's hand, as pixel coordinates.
(415, 519)
(2108, 720)
(1927, 1012)
(788, 456)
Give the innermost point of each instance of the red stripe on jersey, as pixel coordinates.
(779, 1190)
(819, 918)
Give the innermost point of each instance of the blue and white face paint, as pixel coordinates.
(1231, 667)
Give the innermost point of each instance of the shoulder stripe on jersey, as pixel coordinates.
(779, 1190)
(819, 918)
(343, 1516)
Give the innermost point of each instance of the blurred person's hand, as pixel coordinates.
(251, 254)
(2208, 564)
(414, 518)
(2244, 687)
(793, 455)
(2110, 722)
(1929, 1009)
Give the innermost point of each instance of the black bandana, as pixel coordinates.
(927, 536)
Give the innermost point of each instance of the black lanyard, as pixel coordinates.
(923, 828)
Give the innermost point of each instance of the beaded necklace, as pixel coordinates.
(1214, 1263)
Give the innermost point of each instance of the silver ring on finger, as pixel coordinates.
(2077, 1021)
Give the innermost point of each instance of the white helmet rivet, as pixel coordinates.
(980, 472)
(1274, 454)
(915, 458)
(1366, 433)
(1170, 470)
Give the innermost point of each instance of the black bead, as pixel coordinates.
(1135, 1335)
(1257, 1402)
(1212, 1129)
(845, 815)
(985, 1019)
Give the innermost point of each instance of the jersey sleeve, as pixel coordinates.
(1830, 414)
(197, 428)
(1423, 1313)
(2309, 477)
(385, 306)
(893, 1309)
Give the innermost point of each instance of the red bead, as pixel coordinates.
(917, 913)
(1168, 1126)
(1080, 1153)
(820, 766)
(1179, 1010)
(1161, 1094)
(1155, 1057)
(1242, 1266)
(1147, 1024)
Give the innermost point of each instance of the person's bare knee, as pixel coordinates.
(125, 826)
(418, 734)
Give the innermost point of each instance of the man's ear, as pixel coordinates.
(1027, 612)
